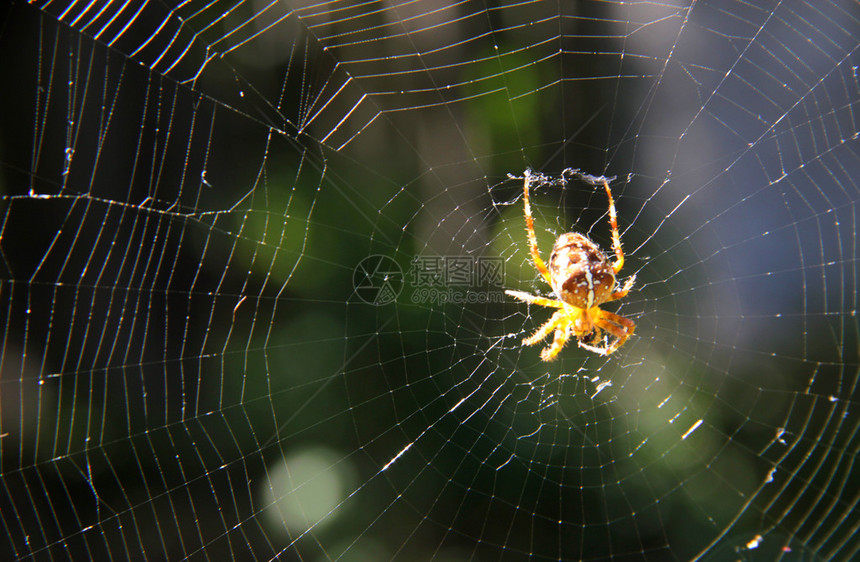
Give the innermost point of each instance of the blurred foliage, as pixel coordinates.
(504, 106)
(255, 343)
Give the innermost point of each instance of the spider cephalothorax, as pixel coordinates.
(582, 278)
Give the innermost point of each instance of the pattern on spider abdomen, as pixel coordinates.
(581, 273)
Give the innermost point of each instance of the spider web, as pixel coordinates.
(253, 258)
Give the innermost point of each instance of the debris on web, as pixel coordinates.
(563, 179)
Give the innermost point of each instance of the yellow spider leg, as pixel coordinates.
(544, 330)
(606, 349)
(624, 290)
(620, 327)
(617, 331)
(619, 320)
(559, 321)
(616, 238)
(530, 230)
(594, 349)
(535, 299)
(609, 348)
(549, 353)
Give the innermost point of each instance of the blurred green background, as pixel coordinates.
(189, 372)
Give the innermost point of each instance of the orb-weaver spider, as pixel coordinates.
(582, 278)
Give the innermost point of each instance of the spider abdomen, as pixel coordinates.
(581, 273)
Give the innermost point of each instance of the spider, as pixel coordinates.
(582, 278)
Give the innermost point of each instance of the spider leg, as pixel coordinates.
(544, 330)
(623, 323)
(620, 294)
(616, 238)
(559, 321)
(619, 326)
(594, 349)
(560, 338)
(535, 299)
(530, 230)
(599, 325)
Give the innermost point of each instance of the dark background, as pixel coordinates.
(187, 191)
